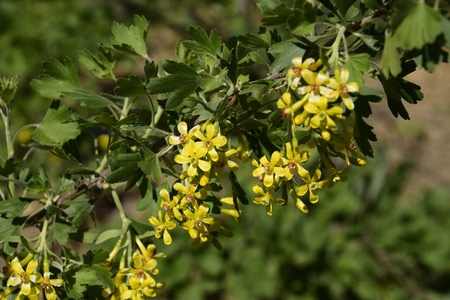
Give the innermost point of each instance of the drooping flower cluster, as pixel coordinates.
(321, 105)
(136, 281)
(24, 276)
(204, 159)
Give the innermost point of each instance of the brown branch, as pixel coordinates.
(83, 187)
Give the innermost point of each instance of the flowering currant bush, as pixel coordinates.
(291, 99)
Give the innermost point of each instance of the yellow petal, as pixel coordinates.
(167, 238)
(204, 165)
(181, 159)
(302, 190)
(182, 127)
(268, 180)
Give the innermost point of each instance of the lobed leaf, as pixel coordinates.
(57, 78)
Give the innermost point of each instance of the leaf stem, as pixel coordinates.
(9, 144)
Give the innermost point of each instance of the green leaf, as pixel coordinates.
(363, 134)
(209, 83)
(60, 230)
(182, 82)
(303, 19)
(150, 165)
(252, 41)
(390, 60)
(279, 15)
(88, 98)
(57, 127)
(125, 168)
(203, 44)
(416, 24)
(97, 256)
(357, 65)
(101, 66)
(13, 207)
(266, 7)
(78, 210)
(57, 78)
(237, 190)
(130, 40)
(284, 52)
(9, 167)
(131, 87)
(397, 89)
(10, 227)
(110, 234)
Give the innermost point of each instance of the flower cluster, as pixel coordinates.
(136, 281)
(322, 105)
(25, 277)
(204, 159)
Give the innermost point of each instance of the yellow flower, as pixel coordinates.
(342, 88)
(335, 176)
(292, 163)
(22, 277)
(300, 67)
(141, 289)
(163, 226)
(242, 151)
(185, 135)
(287, 108)
(47, 284)
(266, 170)
(311, 185)
(266, 198)
(316, 85)
(170, 206)
(322, 116)
(191, 154)
(149, 256)
(196, 223)
(190, 194)
(212, 140)
(224, 161)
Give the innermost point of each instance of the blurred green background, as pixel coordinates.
(381, 235)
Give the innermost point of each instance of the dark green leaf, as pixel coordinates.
(131, 87)
(237, 190)
(150, 165)
(57, 78)
(279, 15)
(88, 98)
(101, 66)
(203, 44)
(146, 191)
(125, 168)
(363, 134)
(150, 70)
(266, 7)
(397, 89)
(57, 127)
(9, 167)
(252, 41)
(13, 207)
(181, 83)
(284, 52)
(95, 257)
(130, 40)
(78, 210)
